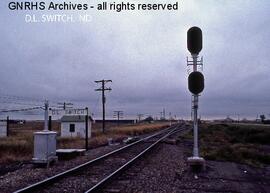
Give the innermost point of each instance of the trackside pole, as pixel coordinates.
(46, 115)
(195, 113)
(86, 129)
(196, 162)
(196, 86)
(195, 126)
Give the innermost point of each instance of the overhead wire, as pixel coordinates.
(17, 110)
(31, 104)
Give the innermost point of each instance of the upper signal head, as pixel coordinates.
(194, 40)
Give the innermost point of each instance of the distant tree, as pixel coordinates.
(149, 119)
(262, 118)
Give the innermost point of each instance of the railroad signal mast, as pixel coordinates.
(103, 89)
(195, 86)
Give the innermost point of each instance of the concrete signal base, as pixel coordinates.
(197, 164)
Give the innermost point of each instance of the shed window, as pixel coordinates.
(72, 128)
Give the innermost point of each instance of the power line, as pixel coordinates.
(19, 100)
(95, 109)
(17, 110)
(19, 103)
(13, 97)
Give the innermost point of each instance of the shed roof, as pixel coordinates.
(74, 118)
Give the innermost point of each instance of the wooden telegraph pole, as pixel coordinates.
(103, 89)
(118, 115)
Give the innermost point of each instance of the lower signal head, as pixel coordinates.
(196, 82)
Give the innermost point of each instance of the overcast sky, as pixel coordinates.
(144, 53)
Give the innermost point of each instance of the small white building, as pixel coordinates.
(74, 126)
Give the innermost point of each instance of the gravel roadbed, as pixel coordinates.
(165, 170)
(28, 174)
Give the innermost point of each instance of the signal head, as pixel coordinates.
(196, 82)
(194, 40)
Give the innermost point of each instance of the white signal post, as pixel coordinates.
(195, 109)
(195, 104)
(195, 113)
(195, 86)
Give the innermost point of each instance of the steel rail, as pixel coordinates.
(56, 177)
(105, 180)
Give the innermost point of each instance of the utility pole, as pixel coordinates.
(86, 128)
(65, 105)
(164, 116)
(118, 115)
(140, 116)
(46, 114)
(103, 89)
(170, 117)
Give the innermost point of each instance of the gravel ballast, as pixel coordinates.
(28, 174)
(165, 170)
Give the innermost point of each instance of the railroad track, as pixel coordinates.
(94, 174)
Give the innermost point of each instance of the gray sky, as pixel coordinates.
(144, 53)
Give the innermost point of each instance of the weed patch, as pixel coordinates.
(242, 144)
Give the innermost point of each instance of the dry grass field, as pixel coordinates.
(240, 143)
(19, 145)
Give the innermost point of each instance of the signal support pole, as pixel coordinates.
(195, 125)
(103, 89)
(195, 105)
(195, 111)
(196, 86)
